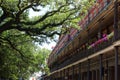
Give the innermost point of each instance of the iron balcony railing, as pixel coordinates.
(82, 54)
(86, 24)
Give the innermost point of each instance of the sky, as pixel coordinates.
(48, 46)
(41, 12)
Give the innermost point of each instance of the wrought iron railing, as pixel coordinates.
(82, 54)
(86, 25)
(84, 51)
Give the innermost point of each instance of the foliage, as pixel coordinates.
(41, 58)
(22, 58)
(15, 14)
(19, 55)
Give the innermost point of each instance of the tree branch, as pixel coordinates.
(6, 26)
(43, 17)
(4, 15)
(39, 30)
(18, 5)
(14, 48)
(51, 34)
(21, 11)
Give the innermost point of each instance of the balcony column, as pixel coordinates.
(73, 72)
(100, 69)
(88, 72)
(60, 75)
(68, 74)
(56, 75)
(64, 74)
(49, 78)
(107, 72)
(115, 19)
(52, 77)
(97, 74)
(79, 78)
(116, 62)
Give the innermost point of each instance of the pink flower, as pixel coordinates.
(104, 35)
(105, 38)
(93, 45)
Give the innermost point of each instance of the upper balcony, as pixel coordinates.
(96, 12)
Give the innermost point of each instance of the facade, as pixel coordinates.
(92, 53)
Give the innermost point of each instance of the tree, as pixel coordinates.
(15, 59)
(18, 32)
(14, 15)
(60, 15)
(22, 61)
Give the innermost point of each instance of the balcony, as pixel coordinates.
(93, 14)
(85, 53)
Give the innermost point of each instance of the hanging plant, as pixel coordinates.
(105, 38)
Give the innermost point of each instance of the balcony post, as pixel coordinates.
(115, 19)
(96, 74)
(52, 77)
(73, 72)
(107, 72)
(64, 74)
(101, 71)
(55, 74)
(60, 75)
(88, 72)
(79, 78)
(116, 62)
(68, 74)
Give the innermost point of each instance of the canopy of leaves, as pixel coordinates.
(20, 57)
(18, 32)
(14, 15)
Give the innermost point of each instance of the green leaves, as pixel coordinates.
(41, 56)
(21, 55)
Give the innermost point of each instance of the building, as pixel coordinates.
(92, 53)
